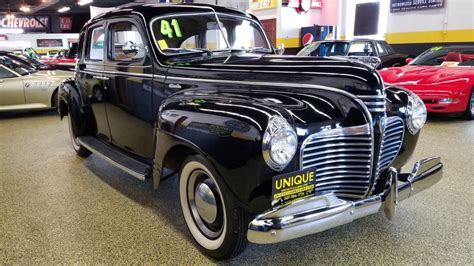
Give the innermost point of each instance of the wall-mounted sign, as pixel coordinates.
(65, 23)
(263, 4)
(409, 5)
(3, 37)
(25, 22)
(49, 43)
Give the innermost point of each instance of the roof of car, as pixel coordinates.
(149, 11)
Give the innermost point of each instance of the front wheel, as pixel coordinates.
(78, 148)
(469, 113)
(216, 223)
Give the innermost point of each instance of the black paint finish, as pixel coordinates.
(217, 104)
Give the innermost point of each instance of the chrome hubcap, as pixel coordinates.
(205, 204)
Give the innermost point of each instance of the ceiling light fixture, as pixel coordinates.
(64, 9)
(84, 2)
(25, 8)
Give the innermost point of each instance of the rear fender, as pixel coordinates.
(72, 101)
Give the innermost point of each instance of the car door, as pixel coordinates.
(129, 83)
(91, 79)
(12, 91)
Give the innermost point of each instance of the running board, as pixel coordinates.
(115, 156)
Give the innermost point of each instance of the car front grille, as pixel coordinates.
(342, 158)
(375, 103)
(392, 139)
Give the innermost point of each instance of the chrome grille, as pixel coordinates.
(374, 103)
(392, 139)
(342, 158)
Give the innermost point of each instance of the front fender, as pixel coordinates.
(227, 127)
(397, 102)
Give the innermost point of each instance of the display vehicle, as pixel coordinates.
(377, 53)
(267, 147)
(22, 87)
(443, 77)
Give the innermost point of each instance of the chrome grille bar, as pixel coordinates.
(342, 158)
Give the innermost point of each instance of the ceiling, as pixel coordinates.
(51, 6)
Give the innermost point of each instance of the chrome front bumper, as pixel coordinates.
(319, 213)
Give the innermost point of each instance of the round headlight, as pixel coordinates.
(279, 143)
(416, 116)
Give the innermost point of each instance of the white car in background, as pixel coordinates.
(22, 87)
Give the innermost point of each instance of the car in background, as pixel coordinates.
(365, 50)
(35, 63)
(23, 87)
(443, 77)
(62, 59)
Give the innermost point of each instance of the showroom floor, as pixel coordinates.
(56, 207)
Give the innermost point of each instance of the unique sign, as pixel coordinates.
(65, 23)
(291, 186)
(49, 42)
(263, 4)
(25, 22)
(409, 5)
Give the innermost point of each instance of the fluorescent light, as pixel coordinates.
(64, 9)
(25, 9)
(84, 2)
(10, 15)
(5, 31)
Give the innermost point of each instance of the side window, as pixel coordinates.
(361, 49)
(126, 42)
(381, 48)
(5, 73)
(96, 40)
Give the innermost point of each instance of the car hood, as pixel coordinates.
(349, 75)
(412, 75)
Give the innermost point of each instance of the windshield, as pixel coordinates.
(187, 33)
(325, 49)
(446, 56)
(16, 65)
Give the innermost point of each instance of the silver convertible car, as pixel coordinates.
(22, 87)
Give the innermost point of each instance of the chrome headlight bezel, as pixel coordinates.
(416, 113)
(277, 130)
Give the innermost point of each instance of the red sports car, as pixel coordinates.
(443, 77)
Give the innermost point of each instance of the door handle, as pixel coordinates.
(174, 86)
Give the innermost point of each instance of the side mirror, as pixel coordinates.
(130, 48)
(409, 60)
(281, 49)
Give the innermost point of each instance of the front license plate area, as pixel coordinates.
(292, 186)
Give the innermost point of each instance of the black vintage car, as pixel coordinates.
(268, 147)
(374, 52)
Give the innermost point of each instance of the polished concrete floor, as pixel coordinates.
(56, 207)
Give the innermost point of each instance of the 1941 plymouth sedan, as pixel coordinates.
(267, 147)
